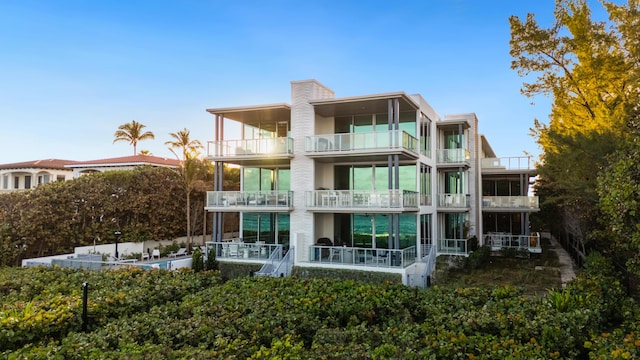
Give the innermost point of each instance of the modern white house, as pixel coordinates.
(29, 174)
(376, 182)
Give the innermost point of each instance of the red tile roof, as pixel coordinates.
(40, 164)
(134, 160)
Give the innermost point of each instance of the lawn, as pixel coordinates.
(535, 275)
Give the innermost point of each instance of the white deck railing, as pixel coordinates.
(453, 200)
(236, 249)
(223, 199)
(452, 246)
(453, 156)
(250, 147)
(344, 255)
(351, 142)
(347, 199)
(515, 202)
(508, 163)
(498, 241)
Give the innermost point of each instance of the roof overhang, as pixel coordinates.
(255, 114)
(359, 105)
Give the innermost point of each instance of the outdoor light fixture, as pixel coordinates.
(117, 233)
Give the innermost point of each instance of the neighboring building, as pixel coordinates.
(376, 182)
(120, 163)
(29, 174)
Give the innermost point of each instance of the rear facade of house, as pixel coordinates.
(375, 182)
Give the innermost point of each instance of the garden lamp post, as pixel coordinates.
(117, 233)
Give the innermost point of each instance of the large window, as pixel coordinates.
(425, 229)
(348, 177)
(425, 135)
(267, 227)
(502, 222)
(454, 182)
(5, 181)
(501, 187)
(453, 139)
(425, 184)
(454, 225)
(262, 179)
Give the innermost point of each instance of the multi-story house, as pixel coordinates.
(29, 174)
(375, 182)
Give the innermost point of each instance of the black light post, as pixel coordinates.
(85, 318)
(117, 233)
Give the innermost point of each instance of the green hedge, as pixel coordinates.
(161, 314)
(340, 274)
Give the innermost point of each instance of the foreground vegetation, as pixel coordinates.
(158, 314)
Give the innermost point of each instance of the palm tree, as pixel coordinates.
(132, 132)
(192, 170)
(182, 140)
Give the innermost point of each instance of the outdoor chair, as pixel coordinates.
(155, 254)
(180, 252)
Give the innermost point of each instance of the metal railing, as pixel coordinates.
(275, 198)
(498, 241)
(349, 142)
(368, 257)
(346, 199)
(515, 202)
(249, 147)
(271, 266)
(453, 156)
(453, 200)
(508, 163)
(237, 249)
(452, 246)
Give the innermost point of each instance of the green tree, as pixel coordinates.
(132, 133)
(586, 67)
(193, 171)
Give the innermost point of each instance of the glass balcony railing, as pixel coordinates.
(353, 142)
(510, 202)
(499, 240)
(453, 200)
(346, 199)
(508, 163)
(453, 156)
(367, 257)
(250, 147)
(225, 199)
(452, 246)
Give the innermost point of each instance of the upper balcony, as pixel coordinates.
(510, 203)
(254, 201)
(506, 165)
(453, 202)
(347, 201)
(453, 157)
(370, 144)
(251, 151)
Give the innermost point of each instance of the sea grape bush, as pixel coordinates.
(159, 314)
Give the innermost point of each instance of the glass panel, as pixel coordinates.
(342, 232)
(361, 179)
(342, 177)
(342, 124)
(488, 188)
(502, 188)
(251, 132)
(382, 231)
(362, 230)
(363, 124)
(408, 177)
(266, 179)
(408, 122)
(408, 230)
(251, 180)
(425, 229)
(284, 179)
(452, 183)
(454, 225)
(283, 228)
(515, 188)
(382, 178)
(452, 140)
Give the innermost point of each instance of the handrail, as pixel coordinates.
(343, 142)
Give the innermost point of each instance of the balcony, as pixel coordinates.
(255, 201)
(362, 257)
(245, 151)
(517, 164)
(453, 201)
(453, 157)
(498, 241)
(361, 200)
(381, 143)
(239, 250)
(510, 203)
(453, 247)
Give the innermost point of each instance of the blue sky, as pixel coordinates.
(72, 71)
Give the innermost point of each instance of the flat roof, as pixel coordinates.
(365, 104)
(255, 114)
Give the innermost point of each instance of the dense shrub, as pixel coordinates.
(161, 314)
